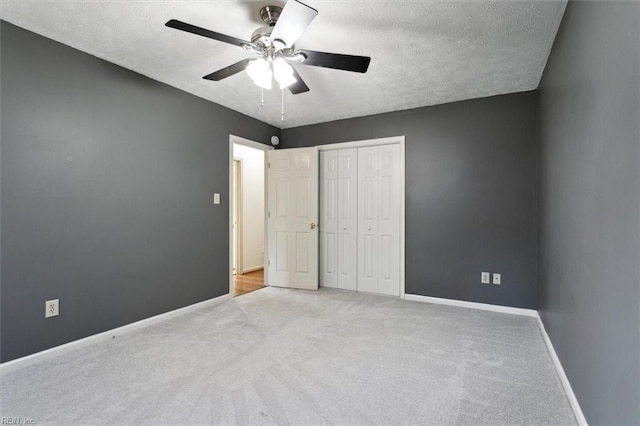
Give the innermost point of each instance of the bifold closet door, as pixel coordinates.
(348, 219)
(338, 218)
(379, 219)
(329, 218)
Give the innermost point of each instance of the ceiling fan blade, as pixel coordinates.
(335, 60)
(293, 20)
(299, 86)
(228, 71)
(183, 26)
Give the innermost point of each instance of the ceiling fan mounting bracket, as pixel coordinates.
(270, 14)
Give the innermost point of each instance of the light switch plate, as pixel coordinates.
(216, 198)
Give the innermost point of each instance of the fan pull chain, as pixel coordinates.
(282, 114)
(262, 96)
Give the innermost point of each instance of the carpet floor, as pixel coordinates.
(279, 356)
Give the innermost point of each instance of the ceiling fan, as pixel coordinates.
(274, 44)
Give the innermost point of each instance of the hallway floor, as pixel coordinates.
(246, 283)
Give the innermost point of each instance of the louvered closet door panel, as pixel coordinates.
(329, 237)
(368, 219)
(348, 218)
(389, 219)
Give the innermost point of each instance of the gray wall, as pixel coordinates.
(107, 178)
(590, 218)
(471, 191)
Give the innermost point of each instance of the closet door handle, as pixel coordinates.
(312, 225)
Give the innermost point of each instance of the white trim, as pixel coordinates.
(568, 390)
(385, 141)
(472, 305)
(104, 336)
(362, 143)
(249, 143)
(402, 215)
(238, 249)
(564, 380)
(256, 145)
(252, 269)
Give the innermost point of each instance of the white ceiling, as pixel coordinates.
(423, 52)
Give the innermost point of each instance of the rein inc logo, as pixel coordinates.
(16, 421)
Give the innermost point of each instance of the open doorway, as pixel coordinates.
(247, 216)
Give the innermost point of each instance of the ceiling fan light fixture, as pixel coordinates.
(283, 73)
(260, 72)
(275, 43)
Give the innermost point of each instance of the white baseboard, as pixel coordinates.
(568, 390)
(25, 361)
(252, 269)
(573, 401)
(472, 305)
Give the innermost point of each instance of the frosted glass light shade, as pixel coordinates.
(260, 72)
(283, 73)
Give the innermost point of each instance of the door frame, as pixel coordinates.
(237, 192)
(233, 139)
(400, 140)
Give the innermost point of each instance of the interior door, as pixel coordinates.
(293, 218)
(368, 219)
(348, 219)
(329, 218)
(389, 219)
(379, 219)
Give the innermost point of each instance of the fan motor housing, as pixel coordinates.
(262, 36)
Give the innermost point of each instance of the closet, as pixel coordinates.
(360, 219)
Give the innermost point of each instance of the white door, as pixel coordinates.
(293, 218)
(389, 219)
(379, 219)
(368, 219)
(329, 218)
(348, 219)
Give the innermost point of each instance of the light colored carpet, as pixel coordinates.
(278, 356)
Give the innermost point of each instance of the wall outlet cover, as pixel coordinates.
(485, 277)
(497, 279)
(51, 308)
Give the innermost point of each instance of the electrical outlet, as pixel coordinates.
(497, 279)
(51, 308)
(485, 277)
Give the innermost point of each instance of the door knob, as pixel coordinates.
(344, 229)
(312, 225)
(369, 229)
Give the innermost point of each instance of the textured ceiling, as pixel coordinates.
(423, 52)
